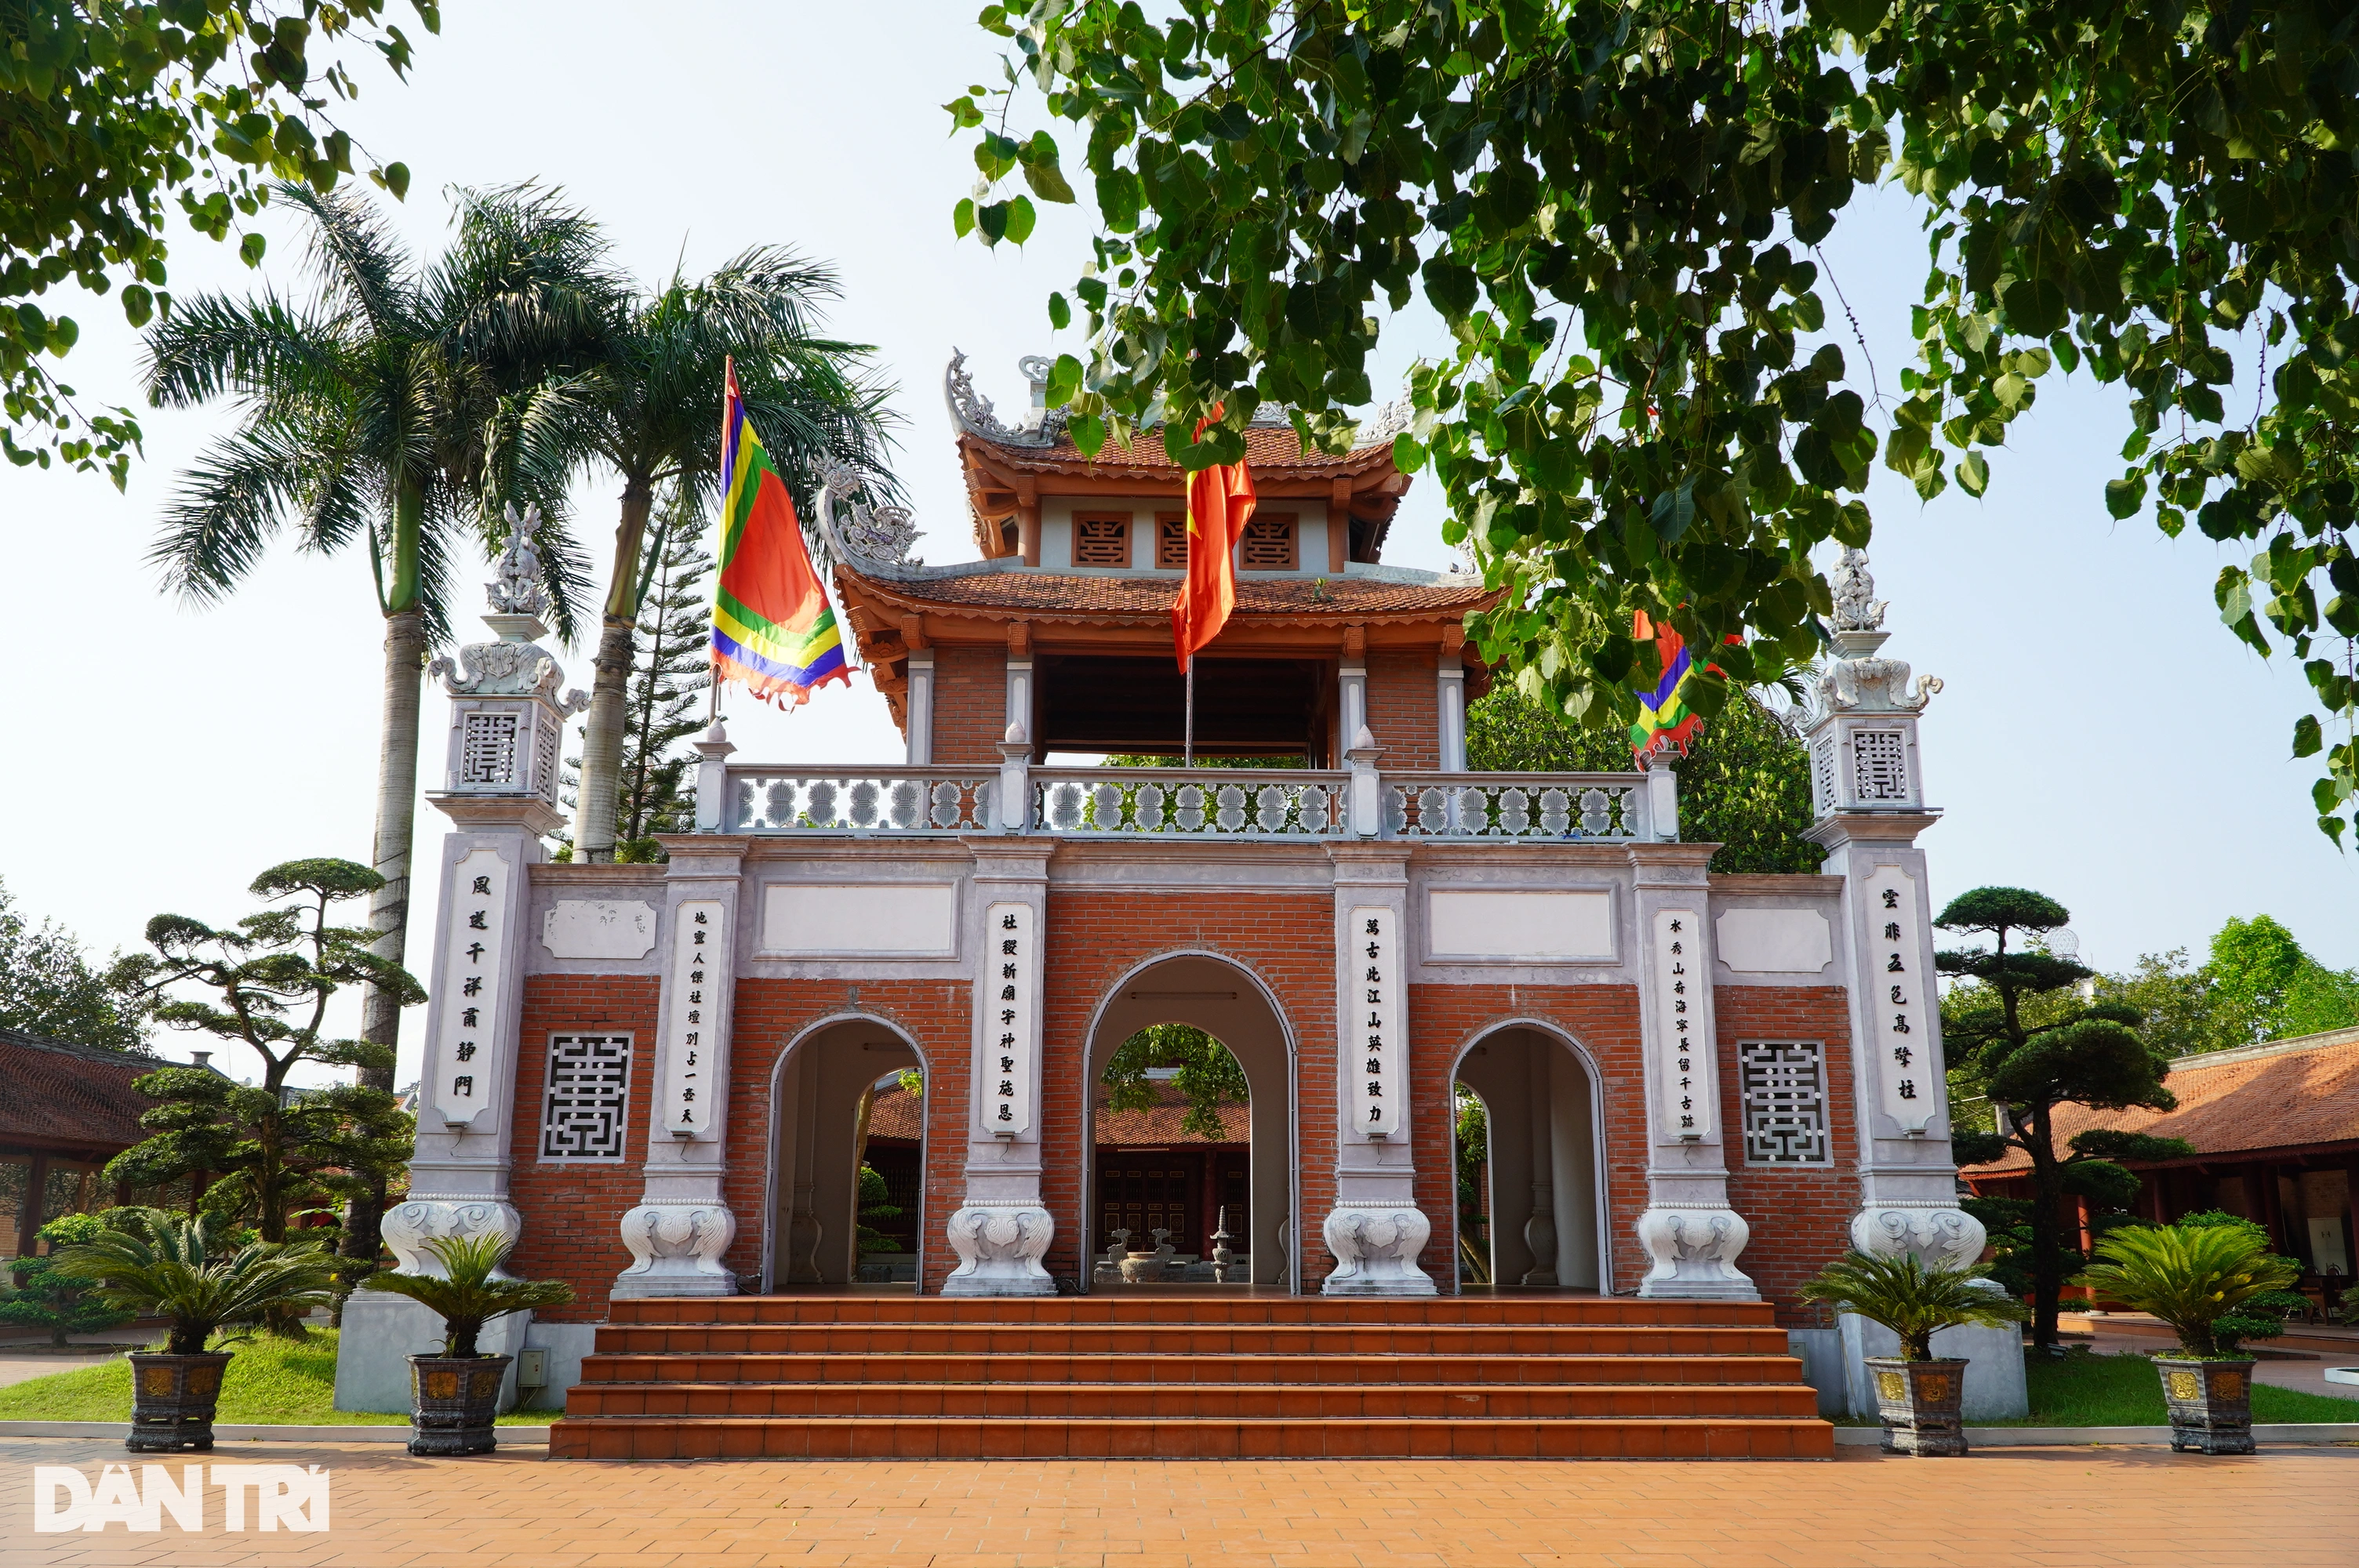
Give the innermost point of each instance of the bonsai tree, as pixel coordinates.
(271, 979)
(1914, 1301)
(2018, 1031)
(875, 1202)
(465, 1296)
(2258, 1317)
(2193, 1278)
(58, 1304)
(155, 1264)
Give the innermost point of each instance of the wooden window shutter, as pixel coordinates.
(1103, 540)
(1269, 543)
(1171, 541)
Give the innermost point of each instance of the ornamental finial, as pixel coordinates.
(1856, 607)
(518, 589)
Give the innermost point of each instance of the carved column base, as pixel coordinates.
(1940, 1235)
(1375, 1247)
(407, 1226)
(1694, 1252)
(676, 1250)
(999, 1246)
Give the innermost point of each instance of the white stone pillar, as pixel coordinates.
(1450, 686)
(1689, 1232)
(1375, 1230)
(918, 707)
(1352, 691)
(712, 753)
(683, 1223)
(1002, 1229)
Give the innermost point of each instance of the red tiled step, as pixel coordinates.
(1240, 1308)
(960, 1438)
(980, 1340)
(1193, 1402)
(1293, 1370)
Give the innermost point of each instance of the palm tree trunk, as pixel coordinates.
(396, 793)
(601, 736)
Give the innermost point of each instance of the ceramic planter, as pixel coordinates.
(1919, 1401)
(453, 1400)
(172, 1400)
(2210, 1404)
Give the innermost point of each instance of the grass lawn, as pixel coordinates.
(2080, 1388)
(276, 1382)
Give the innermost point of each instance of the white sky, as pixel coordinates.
(2101, 738)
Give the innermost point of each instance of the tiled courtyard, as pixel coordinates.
(2115, 1508)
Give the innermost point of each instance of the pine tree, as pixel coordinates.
(670, 672)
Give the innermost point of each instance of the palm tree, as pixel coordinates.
(397, 409)
(651, 412)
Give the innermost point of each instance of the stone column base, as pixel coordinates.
(999, 1246)
(676, 1249)
(1376, 1245)
(408, 1226)
(1694, 1252)
(1942, 1235)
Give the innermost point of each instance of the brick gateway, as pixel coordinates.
(1700, 1088)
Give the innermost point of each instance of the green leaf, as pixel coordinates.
(1040, 172)
(1020, 219)
(1089, 433)
(1407, 455)
(250, 247)
(992, 219)
(2307, 740)
(1974, 474)
(396, 179)
(962, 217)
(2035, 307)
(2124, 497)
(963, 115)
(1064, 381)
(1060, 315)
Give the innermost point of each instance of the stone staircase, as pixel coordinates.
(1189, 1377)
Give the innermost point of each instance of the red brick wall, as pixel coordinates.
(771, 1013)
(573, 1209)
(1287, 939)
(1800, 1215)
(970, 704)
(1405, 707)
(1604, 1019)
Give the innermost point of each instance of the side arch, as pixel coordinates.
(1598, 1207)
(828, 1034)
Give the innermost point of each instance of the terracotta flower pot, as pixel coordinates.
(1919, 1401)
(172, 1400)
(2210, 1404)
(452, 1400)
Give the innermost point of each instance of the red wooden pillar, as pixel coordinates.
(2271, 1213)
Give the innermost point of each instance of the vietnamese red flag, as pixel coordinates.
(1220, 501)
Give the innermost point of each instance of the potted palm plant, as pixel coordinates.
(2196, 1280)
(154, 1264)
(454, 1397)
(1919, 1396)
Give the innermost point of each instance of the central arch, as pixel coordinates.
(1548, 1207)
(1228, 1002)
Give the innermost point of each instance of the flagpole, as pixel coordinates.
(1187, 755)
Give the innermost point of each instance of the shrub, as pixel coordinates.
(2194, 1278)
(1914, 1301)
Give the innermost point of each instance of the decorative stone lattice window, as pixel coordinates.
(487, 753)
(1171, 541)
(1784, 1095)
(1822, 759)
(545, 750)
(1101, 541)
(584, 1109)
(1268, 543)
(1879, 765)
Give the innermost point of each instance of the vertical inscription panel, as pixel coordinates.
(475, 962)
(698, 939)
(1897, 1037)
(1005, 1001)
(1372, 1062)
(1684, 1027)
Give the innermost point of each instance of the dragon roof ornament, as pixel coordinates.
(871, 537)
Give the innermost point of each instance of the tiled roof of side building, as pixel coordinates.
(2293, 1094)
(1050, 595)
(58, 1094)
(896, 1114)
(1273, 450)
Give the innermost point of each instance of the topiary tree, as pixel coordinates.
(2018, 1031)
(58, 1304)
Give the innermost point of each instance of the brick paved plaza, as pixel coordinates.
(2076, 1507)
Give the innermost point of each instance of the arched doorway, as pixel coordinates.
(1229, 1003)
(825, 1095)
(1540, 1190)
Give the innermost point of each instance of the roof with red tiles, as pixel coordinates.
(896, 1114)
(2293, 1094)
(73, 1098)
(1272, 450)
(1053, 596)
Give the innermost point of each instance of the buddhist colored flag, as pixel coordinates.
(773, 631)
(1219, 503)
(1664, 718)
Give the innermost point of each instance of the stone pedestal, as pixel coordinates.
(675, 1248)
(1995, 1389)
(999, 1246)
(381, 1331)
